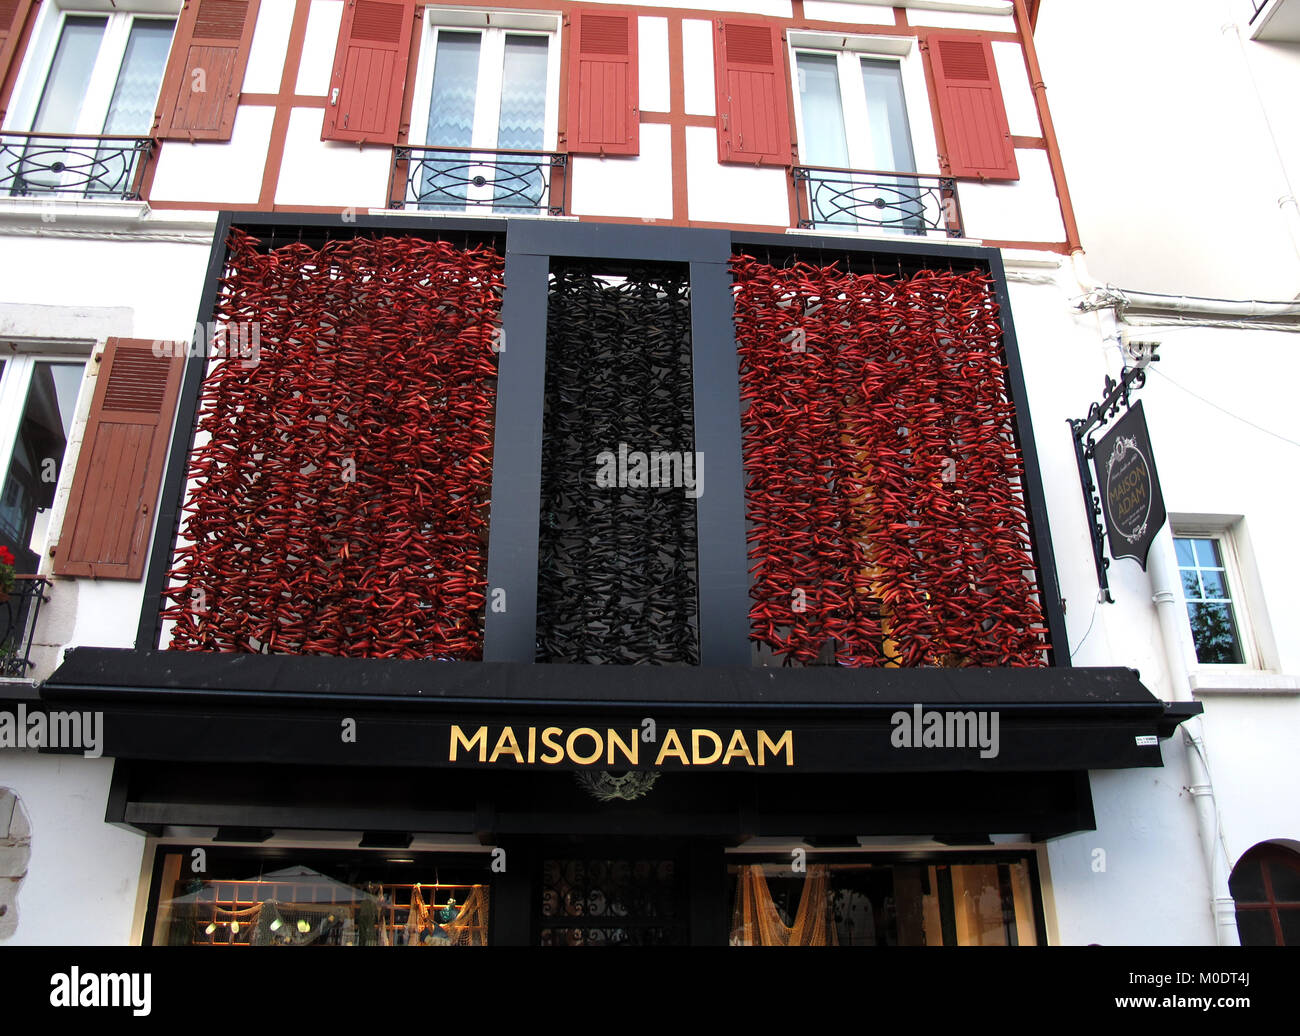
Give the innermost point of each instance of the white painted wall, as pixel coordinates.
(1174, 181)
(652, 65)
(318, 47)
(225, 172)
(627, 186)
(266, 56)
(328, 172)
(1025, 210)
(732, 193)
(83, 874)
(697, 60)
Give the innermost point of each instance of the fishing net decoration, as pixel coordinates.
(339, 484)
(617, 578)
(884, 483)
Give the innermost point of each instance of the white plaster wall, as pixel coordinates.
(83, 874)
(270, 47)
(1026, 210)
(652, 65)
(318, 47)
(697, 67)
(1174, 181)
(1154, 889)
(627, 186)
(320, 172)
(732, 193)
(823, 11)
(230, 173)
(775, 8)
(1017, 94)
(961, 20)
(1251, 747)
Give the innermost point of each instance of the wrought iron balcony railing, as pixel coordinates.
(18, 612)
(68, 165)
(909, 203)
(454, 179)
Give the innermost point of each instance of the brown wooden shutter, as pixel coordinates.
(205, 72)
(604, 115)
(752, 85)
(14, 21)
(365, 99)
(974, 117)
(119, 469)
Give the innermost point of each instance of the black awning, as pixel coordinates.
(185, 706)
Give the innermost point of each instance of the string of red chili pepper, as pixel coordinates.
(884, 481)
(339, 485)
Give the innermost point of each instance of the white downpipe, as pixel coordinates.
(1167, 595)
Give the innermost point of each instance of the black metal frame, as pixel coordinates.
(528, 246)
(21, 610)
(96, 151)
(508, 168)
(1082, 432)
(911, 189)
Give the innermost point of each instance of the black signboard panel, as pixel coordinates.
(1130, 489)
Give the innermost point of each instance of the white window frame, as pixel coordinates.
(15, 383)
(848, 51)
(108, 61)
(1243, 589)
(494, 26)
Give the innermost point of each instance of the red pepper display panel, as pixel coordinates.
(884, 483)
(338, 499)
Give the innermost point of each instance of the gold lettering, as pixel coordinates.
(695, 747)
(629, 751)
(588, 732)
(737, 746)
(787, 740)
(548, 741)
(672, 746)
(532, 744)
(506, 743)
(479, 738)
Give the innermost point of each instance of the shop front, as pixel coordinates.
(533, 583)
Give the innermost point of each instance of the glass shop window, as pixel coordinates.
(928, 903)
(317, 899)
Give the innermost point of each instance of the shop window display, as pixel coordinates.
(331, 900)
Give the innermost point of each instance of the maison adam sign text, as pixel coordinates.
(1130, 490)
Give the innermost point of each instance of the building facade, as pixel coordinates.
(576, 475)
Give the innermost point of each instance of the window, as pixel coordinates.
(484, 96)
(1211, 589)
(1265, 886)
(856, 134)
(99, 76)
(38, 396)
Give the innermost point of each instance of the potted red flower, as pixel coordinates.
(6, 572)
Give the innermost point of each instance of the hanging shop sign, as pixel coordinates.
(1130, 489)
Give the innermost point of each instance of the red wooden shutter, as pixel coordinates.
(13, 20)
(753, 114)
(120, 466)
(604, 115)
(205, 72)
(365, 102)
(970, 105)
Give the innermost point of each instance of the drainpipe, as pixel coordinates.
(1167, 595)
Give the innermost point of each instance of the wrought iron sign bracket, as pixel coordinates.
(1083, 430)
